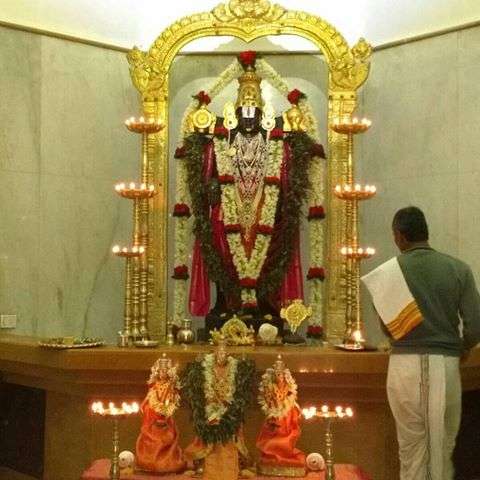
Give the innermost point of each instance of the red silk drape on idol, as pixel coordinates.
(292, 285)
(157, 446)
(277, 439)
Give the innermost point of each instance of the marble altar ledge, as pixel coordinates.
(99, 470)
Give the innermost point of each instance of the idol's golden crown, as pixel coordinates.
(249, 90)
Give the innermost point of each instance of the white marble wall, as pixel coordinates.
(423, 148)
(62, 146)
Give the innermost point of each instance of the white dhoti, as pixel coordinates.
(424, 393)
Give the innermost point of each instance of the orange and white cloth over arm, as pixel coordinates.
(392, 298)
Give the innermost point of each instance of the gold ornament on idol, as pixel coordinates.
(295, 314)
(230, 120)
(268, 118)
(249, 90)
(203, 120)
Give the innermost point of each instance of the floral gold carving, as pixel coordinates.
(351, 71)
(237, 10)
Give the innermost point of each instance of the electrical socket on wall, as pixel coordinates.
(8, 321)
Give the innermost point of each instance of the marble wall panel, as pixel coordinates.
(62, 218)
(19, 101)
(80, 285)
(86, 96)
(469, 228)
(469, 100)
(412, 100)
(19, 259)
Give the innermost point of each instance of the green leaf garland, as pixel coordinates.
(227, 428)
(200, 194)
(270, 281)
(298, 185)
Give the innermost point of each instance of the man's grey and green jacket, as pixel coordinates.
(445, 291)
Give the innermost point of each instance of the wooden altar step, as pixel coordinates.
(99, 470)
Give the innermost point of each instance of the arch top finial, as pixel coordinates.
(238, 10)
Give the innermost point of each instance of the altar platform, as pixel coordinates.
(99, 470)
(72, 379)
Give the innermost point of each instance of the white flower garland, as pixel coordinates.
(273, 402)
(315, 198)
(216, 407)
(316, 195)
(249, 267)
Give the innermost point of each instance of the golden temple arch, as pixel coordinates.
(248, 20)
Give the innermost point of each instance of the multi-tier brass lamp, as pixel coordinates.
(352, 193)
(136, 281)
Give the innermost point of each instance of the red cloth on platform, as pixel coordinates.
(277, 440)
(99, 470)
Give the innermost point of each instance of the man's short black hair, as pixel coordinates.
(411, 223)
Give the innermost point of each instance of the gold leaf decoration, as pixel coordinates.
(237, 10)
(350, 71)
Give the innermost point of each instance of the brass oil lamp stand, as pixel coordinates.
(136, 281)
(329, 416)
(132, 255)
(354, 254)
(115, 414)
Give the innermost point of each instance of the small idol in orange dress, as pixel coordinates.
(281, 430)
(226, 457)
(157, 445)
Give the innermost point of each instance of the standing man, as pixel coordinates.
(430, 305)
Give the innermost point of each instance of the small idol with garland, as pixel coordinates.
(281, 430)
(245, 178)
(157, 446)
(218, 389)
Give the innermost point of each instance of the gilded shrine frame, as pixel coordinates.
(248, 20)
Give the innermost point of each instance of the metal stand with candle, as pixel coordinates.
(136, 282)
(115, 414)
(352, 193)
(329, 416)
(131, 329)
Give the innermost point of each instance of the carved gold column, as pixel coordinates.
(157, 173)
(339, 280)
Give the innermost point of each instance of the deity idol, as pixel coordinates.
(218, 389)
(280, 431)
(157, 445)
(248, 180)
